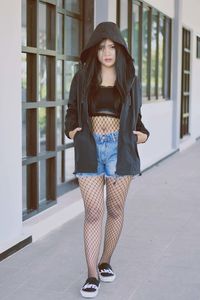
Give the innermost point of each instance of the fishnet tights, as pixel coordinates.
(92, 191)
(116, 193)
(92, 194)
(104, 124)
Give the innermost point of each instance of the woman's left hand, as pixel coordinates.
(141, 137)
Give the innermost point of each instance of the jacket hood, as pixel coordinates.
(104, 30)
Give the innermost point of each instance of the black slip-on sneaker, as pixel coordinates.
(106, 273)
(90, 288)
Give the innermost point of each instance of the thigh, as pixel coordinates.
(117, 189)
(92, 190)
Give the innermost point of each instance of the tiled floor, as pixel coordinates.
(157, 257)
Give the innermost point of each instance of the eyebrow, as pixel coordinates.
(103, 44)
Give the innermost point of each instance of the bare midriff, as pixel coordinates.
(104, 124)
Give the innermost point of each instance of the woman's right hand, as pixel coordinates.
(73, 132)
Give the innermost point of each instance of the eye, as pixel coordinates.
(100, 47)
(113, 46)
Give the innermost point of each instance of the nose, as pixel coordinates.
(106, 50)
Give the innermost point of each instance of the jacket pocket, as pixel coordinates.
(85, 152)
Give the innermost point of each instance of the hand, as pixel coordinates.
(141, 137)
(73, 132)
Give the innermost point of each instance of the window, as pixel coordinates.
(52, 39)
(148, 34)
(122, 12)
(185, 83)
(198, 47)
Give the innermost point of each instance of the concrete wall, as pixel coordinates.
(10, 123)
(157, 117)
(191, 11)
(166, 7)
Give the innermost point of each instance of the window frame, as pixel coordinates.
(167, 45)
(31, 106)
(198, 47)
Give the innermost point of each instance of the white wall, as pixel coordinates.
(105, 10)
(100, 11)
(191, 10)
(10, 123)
(112, 11)
(166, 7)
(157, 118)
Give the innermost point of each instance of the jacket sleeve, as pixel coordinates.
(71, 117)
(139, 125)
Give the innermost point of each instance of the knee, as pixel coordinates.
(93, 214)
(115, 210)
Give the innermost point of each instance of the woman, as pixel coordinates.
(104, 120)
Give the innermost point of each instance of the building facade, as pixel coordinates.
(41, 42)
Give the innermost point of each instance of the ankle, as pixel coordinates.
(93, 274)
(102, 260)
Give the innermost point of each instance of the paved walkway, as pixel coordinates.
(158, 254)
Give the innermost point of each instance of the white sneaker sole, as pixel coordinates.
(108, 278)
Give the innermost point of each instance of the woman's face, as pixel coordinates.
(107, 53)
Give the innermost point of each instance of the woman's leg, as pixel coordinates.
(92, 193)
(116, 192)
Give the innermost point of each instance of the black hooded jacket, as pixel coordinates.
(128, 161)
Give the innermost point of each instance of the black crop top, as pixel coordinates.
(106, 102)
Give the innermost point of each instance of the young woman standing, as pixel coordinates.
(104, 120)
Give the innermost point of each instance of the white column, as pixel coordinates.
(100, 11)
(176, 71)
(10, 124)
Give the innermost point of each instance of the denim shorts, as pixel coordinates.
(107, 145)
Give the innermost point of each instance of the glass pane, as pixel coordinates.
(60, 3)
(24, 133)
(160, 59)
(24, 76)
(167, 61)
(135, 46)
(72, 36)
(42, 180)
(24, 189)
(24, 25)
(42, 129)
(153, 52)
(145, 51)
(69, 163)
(60, 33)
(59, 125)
(124, 19)
(59, 167)
(42, 25)
(73, 5)
(59, 82)
(42, 78)
(71, 68)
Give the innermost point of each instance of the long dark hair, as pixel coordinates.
(124, 67)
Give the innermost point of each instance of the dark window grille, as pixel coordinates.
(185, 83)
(53, 34)
(198, 47)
